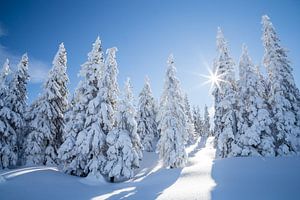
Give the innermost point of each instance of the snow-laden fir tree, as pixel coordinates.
(124, 147)
(146, 117)
(74, 123)
(47, 122)
(17, 102)
(8, 120)
(206, 123)
(198, 122)
(254, 133)
(13, 106)
(192, 136)
(284, 97)
(225, 99)
(173, 122)
(108, 91)
(82, 153)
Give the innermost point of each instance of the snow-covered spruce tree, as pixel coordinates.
(192, 136)
(75, 118)
(124, 147)
(8, 120)
(225, 100)
(198, 122)
(17, 102)
(47, 125)
(82, 153)
(13, 106)
(254, 134)
(284, 97)
(146, 117)
(206, 123)
(173, 124)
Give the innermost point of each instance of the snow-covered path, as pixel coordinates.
(195, 181)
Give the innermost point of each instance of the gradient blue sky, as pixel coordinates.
(145, 32)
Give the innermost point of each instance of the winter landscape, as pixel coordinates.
(140, 101)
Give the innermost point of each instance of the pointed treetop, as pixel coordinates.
(147, 80)
(221, 42)
(220, 33)
(97, 44)
(24, 61)
(170, 59)
(244, 49)
(146, 88)
(98, 40)
(171, 70)
(265, 20)
(147, 83)
(245, 55)
(61, 56)
(96, 54)
(245, 59)
(269, 36)
(245, 63)
(128, 96)
(24, 57)
(112, 52)
(61, 46)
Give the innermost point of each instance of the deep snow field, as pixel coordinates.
(202, 178)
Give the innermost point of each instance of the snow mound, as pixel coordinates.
(93, 180)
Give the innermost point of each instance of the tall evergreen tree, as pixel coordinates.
(225, 99)
(124, 147)
(17, 99)
(254, 133)
(82, 152)
(9, 120)
(173, 124)
(47, 124)
(146, 118)
(284, 97)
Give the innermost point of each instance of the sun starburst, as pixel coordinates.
(213, 78)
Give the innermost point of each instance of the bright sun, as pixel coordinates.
(214, 78)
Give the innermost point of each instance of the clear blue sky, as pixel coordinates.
(145, 32)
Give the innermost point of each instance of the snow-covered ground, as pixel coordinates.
(202, 178)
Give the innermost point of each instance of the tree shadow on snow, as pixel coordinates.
(152, 180)
(148, 183)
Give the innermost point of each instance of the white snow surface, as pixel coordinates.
(202, 178)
